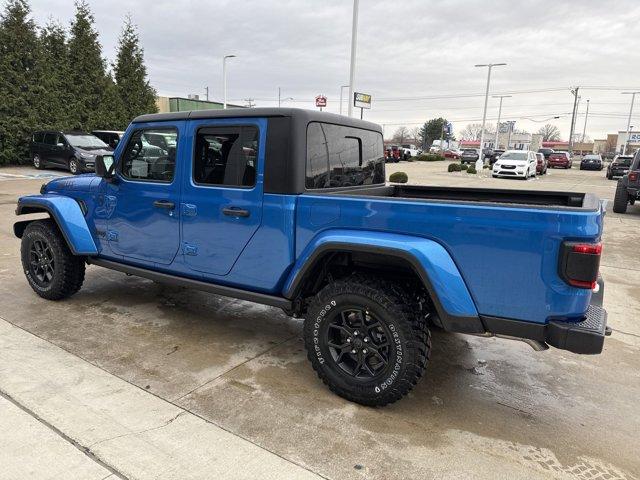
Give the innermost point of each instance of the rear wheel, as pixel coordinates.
(365, 341)
(51, 269)
(37, 161)
(621, 198)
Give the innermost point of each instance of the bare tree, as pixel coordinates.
(473, 130)
(401, 134)
(550, 133)
(414, 134)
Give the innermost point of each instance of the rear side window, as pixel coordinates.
(151, 155)
(339, 156)
(38, 137)
(51, 138)
(226, 156)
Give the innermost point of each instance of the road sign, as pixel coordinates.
(361, 100)
(321, 101)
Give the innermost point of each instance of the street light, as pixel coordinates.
(352, 67)
(341, 87)
(280, 99)
(543, 120)
(224, 78)
(499, 113)
(486, 99)
(633, 98)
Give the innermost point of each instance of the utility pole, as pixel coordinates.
(352, 68)
(495, 145)
(633, 98)
(486, 101)
(206, 89)
(573, 118)
(279, 101)
(250, 103)
(586, 117)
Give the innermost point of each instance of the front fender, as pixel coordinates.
(429, 259)
(67, 214)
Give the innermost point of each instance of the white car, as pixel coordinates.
(516, 163)
(410, 151)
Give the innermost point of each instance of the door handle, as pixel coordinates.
(235, 212)
(164, 204)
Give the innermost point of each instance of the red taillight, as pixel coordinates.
(633, 176)
(579, 264)
(588, 248)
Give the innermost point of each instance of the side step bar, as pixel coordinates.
(223, 290)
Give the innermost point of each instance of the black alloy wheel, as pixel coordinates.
(41, 262)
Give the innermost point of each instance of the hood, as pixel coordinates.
(77, 183)
(517, 163)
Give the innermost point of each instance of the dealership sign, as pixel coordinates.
(361, 100)
(634, 138)
(321, 101)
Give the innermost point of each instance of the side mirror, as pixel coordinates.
(104, 166)
(60, 144)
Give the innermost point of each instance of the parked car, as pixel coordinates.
(516, 163)
(73, 151)
(497, 153)
(591, 162)
(559, 160)
(452, 154)
(619, 166)
(469, 155)
(392, 154)
(110, 137)
(546, 152)
(410, 151)
(488, 154)
(542, 165)
(282, 207)
(628, 188)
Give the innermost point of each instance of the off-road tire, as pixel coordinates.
(68, 270)
(392, 306)
(621, 198)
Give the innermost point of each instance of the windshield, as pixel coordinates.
(514, 156)
(592, 157)
(626, 161)
(467, 150)
(85, 141)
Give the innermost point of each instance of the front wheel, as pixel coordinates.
(621, 198)
(365, 341)
(74, 166)
(52, 271)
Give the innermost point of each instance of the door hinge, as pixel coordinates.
(189, 210)
(189, 249)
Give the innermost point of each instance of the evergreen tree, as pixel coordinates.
(54, 72)
(88, 77)
(130, 73)
(19, 88)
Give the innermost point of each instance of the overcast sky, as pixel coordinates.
(407, 50)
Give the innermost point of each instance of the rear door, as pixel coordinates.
(49, 151)
(222, 192)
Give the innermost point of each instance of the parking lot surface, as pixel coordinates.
(132, 379)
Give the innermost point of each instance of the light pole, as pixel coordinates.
(352, 68)
(633, 98)
(280, 99)
(495, 145)
(486, 100)
(342, 87)
(584, 128)
(224, 78)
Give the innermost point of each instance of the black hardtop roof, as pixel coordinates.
(296, 114)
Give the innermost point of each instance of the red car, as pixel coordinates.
(451, 154)
(559, 160)
(541, 166)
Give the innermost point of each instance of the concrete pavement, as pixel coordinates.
(115, 363)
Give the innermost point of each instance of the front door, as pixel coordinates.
(144, 199)
(222, 193)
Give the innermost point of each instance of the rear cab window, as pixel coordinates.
(339, 156)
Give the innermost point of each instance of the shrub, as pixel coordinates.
(464, 166)
(429, 157)
(486, 166)
(454, 167)
(399, 177)
(472, 169)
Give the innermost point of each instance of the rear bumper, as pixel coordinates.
(584, 337)
(590, 166)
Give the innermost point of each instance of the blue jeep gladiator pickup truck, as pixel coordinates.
(289, 208)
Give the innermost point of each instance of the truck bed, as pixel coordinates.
(524, 198)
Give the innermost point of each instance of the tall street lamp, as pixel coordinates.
(486, 99)
(341, 88)
(224, 78)
(495, 144)
(280, 99)
(352, 68)
(633, 98)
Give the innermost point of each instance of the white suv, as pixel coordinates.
(516, 163)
